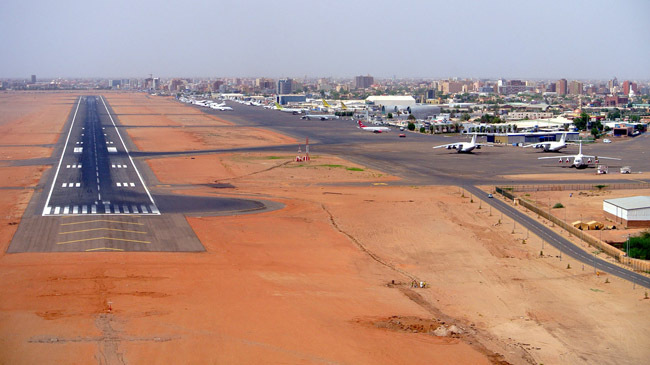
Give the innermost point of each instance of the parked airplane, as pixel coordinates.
(320, 116)
(373, 129)
(580, 161)
(463, 146)
(220, 107)
(289, 110)
(551, 145)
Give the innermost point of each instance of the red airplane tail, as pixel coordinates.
(361, 124)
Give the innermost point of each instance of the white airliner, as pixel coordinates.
(373, 129)
(220, 106)
(289, 110)
(320, 116)
(551, 145)
(580, 161)
(463, 146)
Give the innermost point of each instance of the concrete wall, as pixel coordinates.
(642, 265)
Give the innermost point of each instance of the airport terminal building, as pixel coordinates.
(530, 137)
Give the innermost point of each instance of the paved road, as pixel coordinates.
(557, 241)
(413, 159)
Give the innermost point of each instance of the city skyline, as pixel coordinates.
(579, 40)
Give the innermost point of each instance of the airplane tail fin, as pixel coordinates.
(580, 151)
(563, 138)
(343, 106)
(277, 105)
(474, 138)
(361, 124)
(326, 104)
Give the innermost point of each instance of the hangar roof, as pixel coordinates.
(630, 203)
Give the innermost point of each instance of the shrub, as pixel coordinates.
(558, 205)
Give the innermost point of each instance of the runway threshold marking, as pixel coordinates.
(105, 248)
(102, 220)
(102, 238)
(103, 229)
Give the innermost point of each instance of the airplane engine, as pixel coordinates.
(589, 160)
(567, 160)
(560, 160)
(478, 147)
(596, 159)
(450, 147)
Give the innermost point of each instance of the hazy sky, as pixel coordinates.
(579, 39)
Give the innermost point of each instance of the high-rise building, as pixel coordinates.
(363, 82)
(561, 87)
(629, 86)
(33, 79)
(575, 88)
(284, 86)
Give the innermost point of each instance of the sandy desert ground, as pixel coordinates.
(325, 279)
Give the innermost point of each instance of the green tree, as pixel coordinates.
(465, 116)
(411, 117)
(390, 116)
(422, 129)
(614, 114)
(411, 126)
(581, 121)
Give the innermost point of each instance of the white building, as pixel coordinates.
(391, 103)
(633, 211)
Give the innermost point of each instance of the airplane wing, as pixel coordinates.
(450, 145)
(602, 157)
(559, 156)
(536, 145)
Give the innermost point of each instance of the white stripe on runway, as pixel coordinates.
(64, 185)
(57, 210)
(84, 209)
(78, 185)
(93, 209)
(119, 184)
(47, 210)
(154, 210)
(116, 208)
(143, 209)
(75, 209)
(125, 208)
(132, 185)
(134, 208)
(66, 209)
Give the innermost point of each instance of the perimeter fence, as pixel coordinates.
(568, 187)
(619, 255)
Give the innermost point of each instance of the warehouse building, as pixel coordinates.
(391, 103)
(633, 212)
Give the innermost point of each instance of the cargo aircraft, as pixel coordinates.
(550, 146)
(463, 146)
(580, 161)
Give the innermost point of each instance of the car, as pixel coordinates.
(402, 135)
(490, 196)
(401, 128)
(607, 140)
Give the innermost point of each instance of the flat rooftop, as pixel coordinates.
(630, 203)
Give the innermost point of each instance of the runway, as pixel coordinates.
(96, 197)
(96, 174)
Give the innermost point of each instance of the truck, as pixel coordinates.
(626, 170)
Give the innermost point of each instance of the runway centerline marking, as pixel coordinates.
(105, 229)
